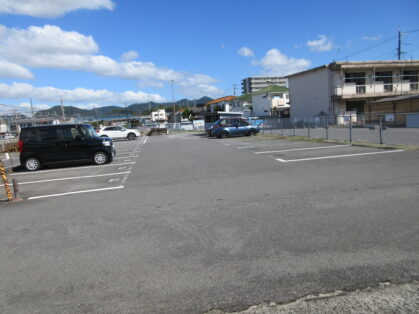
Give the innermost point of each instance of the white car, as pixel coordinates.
(118, 132)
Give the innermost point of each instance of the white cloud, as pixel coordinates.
(52, 94)
(129, 56)
(36, 107)
(320, 45)
(201, 90)
(150, 83)
(245, 52)
(12, 70)
(51, 8)
(197, 79)
(199, 85)
(51, 47)
(275, 63)
(371, 38)
(47, 46)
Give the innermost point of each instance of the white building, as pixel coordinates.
(349, 87)
(254, 84)
(159, 115)
(270, 101)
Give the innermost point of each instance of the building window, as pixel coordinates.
(359, 79)
(387, 79)
(412, 77)
(357, 106)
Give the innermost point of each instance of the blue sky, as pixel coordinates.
(94, 53)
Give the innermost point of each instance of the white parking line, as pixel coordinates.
(145, 141)
(340, 156)
(305, 148)
(76, 192)
(127, 151)
(74, 178)
(72, 168)
(135, 156)
(240, 147)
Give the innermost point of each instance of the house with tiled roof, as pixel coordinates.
(221, 108)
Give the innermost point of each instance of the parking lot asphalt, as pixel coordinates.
(206, 224)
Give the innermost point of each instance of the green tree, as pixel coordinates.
(187, 114)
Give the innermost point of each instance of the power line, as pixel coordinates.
(371, 47)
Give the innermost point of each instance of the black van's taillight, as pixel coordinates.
(20, 145)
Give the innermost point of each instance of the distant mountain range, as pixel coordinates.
(110, 111)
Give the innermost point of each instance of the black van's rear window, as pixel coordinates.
(48, 134)
(29, 135)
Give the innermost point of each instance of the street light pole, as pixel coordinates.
(174, 114)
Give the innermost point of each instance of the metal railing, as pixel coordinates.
(379, 128)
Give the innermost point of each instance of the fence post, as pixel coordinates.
(327, 127)
(282, 127)
(308, 128)
(381, 131)
(272, 125)
(293, 126)
(350, 128)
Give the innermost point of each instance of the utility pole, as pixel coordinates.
(126, 113)
(234, 89)
(33, 118)
(62, 109)
(174, 113)
(399, 46)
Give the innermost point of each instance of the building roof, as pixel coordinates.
(398, 98)
(272, 89)
(218, 100)
(338, 65)
(245, 97)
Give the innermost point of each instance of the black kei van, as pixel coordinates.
(63, 143)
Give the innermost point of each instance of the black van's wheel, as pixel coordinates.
(32, 164)
(131, 136)
(100, 158)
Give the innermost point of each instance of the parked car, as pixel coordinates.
(118, 132)
(63, 143)
(233, 127)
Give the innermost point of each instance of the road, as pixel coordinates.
(203, 224)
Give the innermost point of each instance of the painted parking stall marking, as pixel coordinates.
(339, 156)
(300, 149)
(75, 178)
(76, 192)
(45, 184)
(71, 169)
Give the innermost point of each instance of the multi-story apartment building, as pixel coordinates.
(341, 87)
(254, 84)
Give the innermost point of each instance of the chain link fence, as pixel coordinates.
(395, 129)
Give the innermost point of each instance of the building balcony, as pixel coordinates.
(377, 89)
